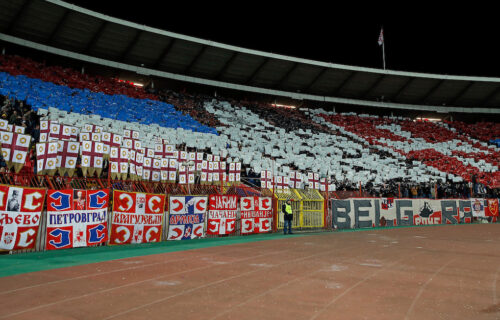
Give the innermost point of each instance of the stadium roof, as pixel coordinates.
(64, 29)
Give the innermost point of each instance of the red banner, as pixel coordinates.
(256, 215)
(222, 214)
(137, 217)
(492, 209)
(76, 218)
(20, 210)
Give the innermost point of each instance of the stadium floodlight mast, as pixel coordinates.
(381, 42)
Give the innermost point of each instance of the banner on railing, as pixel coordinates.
(256, 214)
(187, 217)
(20, 210)
(76, 218)
(491, 209)
(137, 217)
(222, 214)
(366, 213)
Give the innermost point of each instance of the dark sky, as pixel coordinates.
(453, 40)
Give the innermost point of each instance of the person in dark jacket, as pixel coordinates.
(3, 164)
(287, 217)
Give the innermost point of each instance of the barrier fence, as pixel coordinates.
(260, 211)
(308, 206)
(386, 212)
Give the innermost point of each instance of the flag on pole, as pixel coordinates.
(382, 44)
(381, 37)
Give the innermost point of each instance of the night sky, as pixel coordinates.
(454, 40)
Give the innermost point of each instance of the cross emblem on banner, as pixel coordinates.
(92, 128)
(67, 154)
(111, 139)
(46, 156)
(4, 124)
(197, 158)
(131, 134)
(139, 162)
(56, 131)
(324, 184)
(234, 171)
(313, 179)
(68, 133)
(15, 148)
(205, 172)
(156, 170)
(45, 129)
(186, 174)
(149, 152)
(119, 158)
(181, 156)
(295, 179)
(92, 155)
(222, 171)
(172, 170)
(281, 182)
(146, 168)
(132, 144)
(164, 150)
(266, 179)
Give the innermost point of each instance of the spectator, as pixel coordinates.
(3, 164)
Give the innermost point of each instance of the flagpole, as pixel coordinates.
(381, 42)
(383, 52)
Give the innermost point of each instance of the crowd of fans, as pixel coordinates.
(291, 119)
(19, 114)
(190, 104)
(16, 65)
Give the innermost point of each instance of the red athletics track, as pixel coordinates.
(442, 272)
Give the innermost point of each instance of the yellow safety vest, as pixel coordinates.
(288, 208)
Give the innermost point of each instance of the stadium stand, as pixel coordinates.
(16, 65)
(384, 155)
(436, 146)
